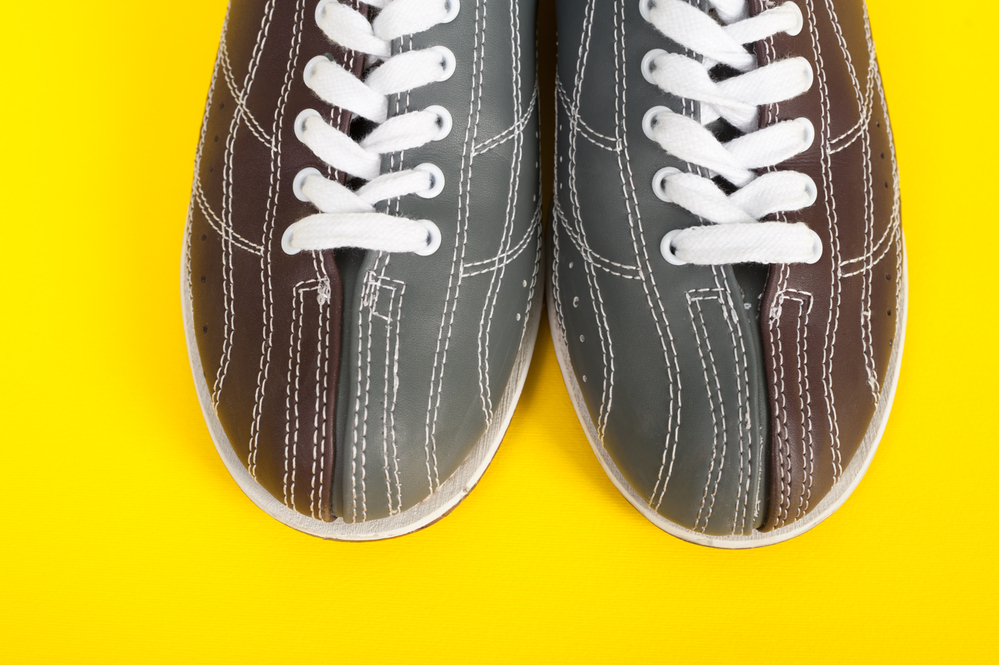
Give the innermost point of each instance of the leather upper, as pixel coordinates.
(351, 384)
(828, 327)
(730, 398)
(667, 357)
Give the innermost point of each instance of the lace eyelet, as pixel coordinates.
(452, 7)
(659, 182)
(808, 130)
(443, 119)
(320, 10)
(648, 122)
(286, 239)
(800, 19)
(436, 180)
(300, 121)
(647, 62)
(645, 9)
(433, 238)
(667, 249)
(299, 182)
(447, 61)
(816, 250)
(310, 68)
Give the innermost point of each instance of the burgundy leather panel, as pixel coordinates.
(268, 324)
(827, 328)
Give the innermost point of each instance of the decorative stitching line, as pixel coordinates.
(646, 274)
(454, 278)
(217, 224)
(240, 99)
(510, 132)
(593, 136)
(715, 417)
(496, 278)
(228, 285)
(591, 256)
(266, 284)
(596, 296)
(509, 256)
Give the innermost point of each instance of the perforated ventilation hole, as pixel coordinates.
(301, 120)
(310, 67)
(299, 182)
(659, 182)
(202, 279)
(645, 7)
(204, 329)
(447, 61)
(444, 121)
(436, 180)
(648, 61)
(204, 237)
(649, 120)
(286, 239)
(667, 249)
(433, 238)
(799, 19)
(452, 7)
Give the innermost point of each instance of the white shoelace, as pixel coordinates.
(347, 218)
(737, 235)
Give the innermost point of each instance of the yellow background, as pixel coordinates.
(125, 540)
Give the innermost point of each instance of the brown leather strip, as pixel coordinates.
(827, 328)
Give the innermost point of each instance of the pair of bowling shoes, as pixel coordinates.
(364, 260)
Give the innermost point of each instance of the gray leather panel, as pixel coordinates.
(668, 357)
(430, 341)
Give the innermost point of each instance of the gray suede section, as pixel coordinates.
(429, 341)
(668, 358)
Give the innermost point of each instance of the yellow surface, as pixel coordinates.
(125, 540)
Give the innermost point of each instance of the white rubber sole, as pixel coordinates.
(851, 477)
(431, 509)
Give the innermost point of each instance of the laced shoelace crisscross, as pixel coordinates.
(736, 235)
(348, 218)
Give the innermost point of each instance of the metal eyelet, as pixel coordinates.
(299, 182)
(800, 19)
(286, 239)
(433, 238)
(645, 8)
(447, 61)
(452, 7)
(310, 68)
(659, 182)
(443, 121)
(647, 63)
(300, 121)
(436, 180)
(816, 250)
(320, 10)
(649, 120)
(667, 249)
